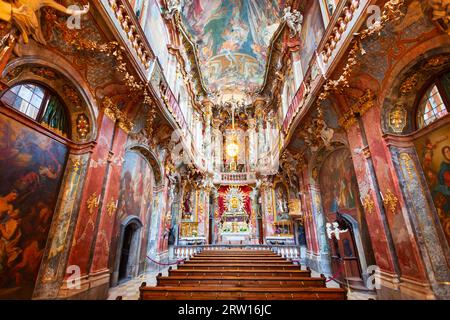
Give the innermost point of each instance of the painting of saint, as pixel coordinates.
(187, 204)
(338, 181)
(434, 154)
(31, 167)
(443, 185)
(282, 209)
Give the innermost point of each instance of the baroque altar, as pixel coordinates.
(234, 223)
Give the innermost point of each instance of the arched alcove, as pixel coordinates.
(76, 97)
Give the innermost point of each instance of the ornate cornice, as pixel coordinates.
(192, 54)
(115, 114)
(364, 103)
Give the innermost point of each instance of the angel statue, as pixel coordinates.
(334, 231)
(293, 20)
(26, 13)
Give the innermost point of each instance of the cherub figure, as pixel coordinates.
(25, 14)
(293, 20)
(333, 229)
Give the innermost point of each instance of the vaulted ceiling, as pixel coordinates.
(232, 38)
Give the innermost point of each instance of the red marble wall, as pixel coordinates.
(383, 255)
(406, 248)
(82, 245)
(109, 205)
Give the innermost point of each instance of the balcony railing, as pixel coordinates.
(235, 178)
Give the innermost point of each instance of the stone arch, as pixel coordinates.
(153, 161)
(408, 81)
(62, 79)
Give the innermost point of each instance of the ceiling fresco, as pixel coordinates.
(233, 37)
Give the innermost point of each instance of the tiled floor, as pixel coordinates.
(130, 289)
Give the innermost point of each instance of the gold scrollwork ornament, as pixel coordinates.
(93, 202)
(397, 118)
(368, 203)
(390, 201)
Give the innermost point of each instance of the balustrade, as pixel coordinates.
(290, 252)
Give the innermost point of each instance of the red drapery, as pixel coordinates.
(247, 202)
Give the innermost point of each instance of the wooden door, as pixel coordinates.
(344, 257)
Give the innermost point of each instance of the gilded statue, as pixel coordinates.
(441, 10)
(25, 15)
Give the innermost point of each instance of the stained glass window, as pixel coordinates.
(432, 107)
(39, 104)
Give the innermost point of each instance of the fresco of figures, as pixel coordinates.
(233, 37)
(434, 154)
(136, 187)
(31, 169)
(135, 197)
(337, 181)
(312, 32)
(154, 29)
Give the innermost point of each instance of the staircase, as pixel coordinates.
(240, 275)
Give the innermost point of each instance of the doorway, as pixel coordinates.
(125, 254)
(345, 260)
(127, 261)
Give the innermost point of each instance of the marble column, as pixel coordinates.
(252, 144)
(207, 141)
(259, 114)
(414, 278)
(424, 218)
(319, 220)
(217, 145)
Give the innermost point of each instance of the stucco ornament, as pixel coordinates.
(25, 14)
(293, 20)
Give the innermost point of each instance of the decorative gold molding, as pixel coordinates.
(409, 84)
(83, 127)
(410, 168)
(391, 11)
(368, 203)
(364, 103)
(93, 202)
(390, 201)
(111, 207)
(441, 13)
(398, 118)
(115, 114)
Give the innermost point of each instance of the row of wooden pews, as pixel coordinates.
(240, 275)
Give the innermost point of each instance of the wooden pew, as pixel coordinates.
(238, 266)
(232, 281)
(238, 260)
(233, 293)
(236, 253)
(241, 273)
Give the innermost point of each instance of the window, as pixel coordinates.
(39, 104)
(433, 105)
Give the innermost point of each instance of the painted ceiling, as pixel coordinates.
(233, 37)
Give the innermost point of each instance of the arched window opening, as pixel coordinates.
(434, 104)
(39, 104)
